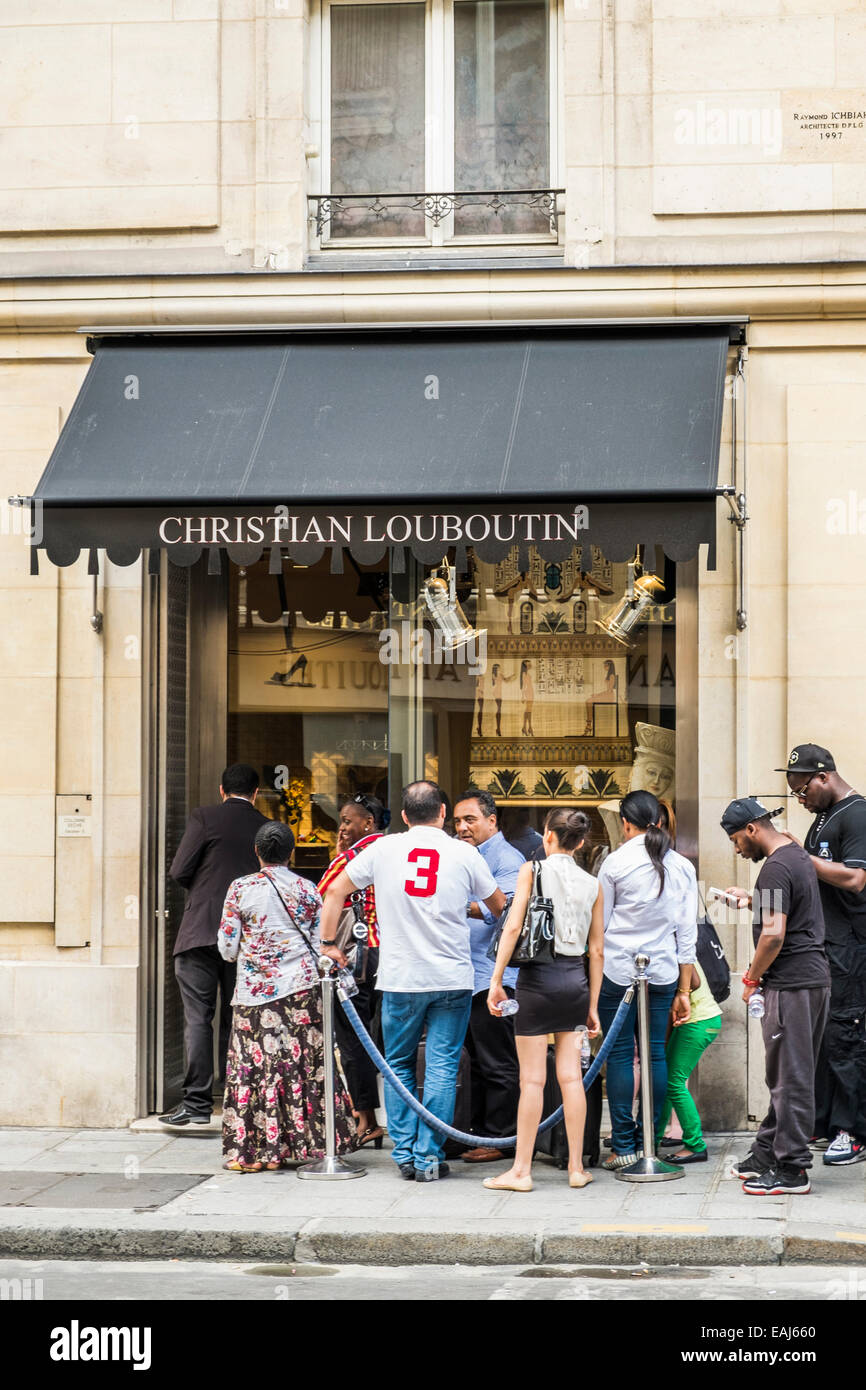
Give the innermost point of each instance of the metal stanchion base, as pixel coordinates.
(650, 1170)
(330, 1168)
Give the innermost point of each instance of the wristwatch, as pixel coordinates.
(327, 943)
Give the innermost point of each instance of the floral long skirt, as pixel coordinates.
(274, 1107)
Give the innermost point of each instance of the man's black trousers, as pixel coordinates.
(495, 1071)
(361, 1073)
(200, 973)
(840, 1075)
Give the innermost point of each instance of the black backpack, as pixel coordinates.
(711, 959)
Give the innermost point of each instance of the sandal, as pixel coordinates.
(370, 1136)
(236, 1167)
(505, 1184)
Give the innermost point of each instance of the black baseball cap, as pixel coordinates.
(809, 757)
(742, 812)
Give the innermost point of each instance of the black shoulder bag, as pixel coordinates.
(536, 941)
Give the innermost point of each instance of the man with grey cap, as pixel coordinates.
(836, 844)
(790, 967)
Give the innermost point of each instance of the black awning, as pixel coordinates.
(425, 437)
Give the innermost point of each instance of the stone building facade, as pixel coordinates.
(162, 165)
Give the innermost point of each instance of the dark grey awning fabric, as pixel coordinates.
(304, 439)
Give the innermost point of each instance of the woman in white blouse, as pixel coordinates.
(650, 907)
(553, 996)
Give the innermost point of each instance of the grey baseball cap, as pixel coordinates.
(741, 812)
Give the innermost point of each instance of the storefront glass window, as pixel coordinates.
(308, 697)
(552, 693)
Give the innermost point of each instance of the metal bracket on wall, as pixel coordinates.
(736, 495)
(96, 618)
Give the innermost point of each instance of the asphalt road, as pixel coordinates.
(172, 1280)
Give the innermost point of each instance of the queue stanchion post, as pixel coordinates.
(649, 1168)
(331, 1165)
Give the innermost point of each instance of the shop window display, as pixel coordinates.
(531, 686)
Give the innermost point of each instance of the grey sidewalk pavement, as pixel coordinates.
(117, 1193)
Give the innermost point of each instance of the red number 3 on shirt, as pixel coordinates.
(423, 885)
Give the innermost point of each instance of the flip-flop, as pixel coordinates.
(242, 1168)
(579, 1179)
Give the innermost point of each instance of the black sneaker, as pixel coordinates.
(779, 1182)
(749, 1167)
(432, 1174)
(407, 1171)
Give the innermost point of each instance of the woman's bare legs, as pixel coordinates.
(532, 1056)
(570, 1079)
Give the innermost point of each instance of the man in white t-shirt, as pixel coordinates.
(423, 882)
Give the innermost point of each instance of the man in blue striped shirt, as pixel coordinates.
(489, 1041)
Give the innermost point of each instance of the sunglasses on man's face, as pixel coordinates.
(800, 791)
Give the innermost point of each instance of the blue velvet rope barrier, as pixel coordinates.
(474, 1139)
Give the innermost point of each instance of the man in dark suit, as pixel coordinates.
(217, 847)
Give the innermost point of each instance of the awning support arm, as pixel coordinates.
(736, 497)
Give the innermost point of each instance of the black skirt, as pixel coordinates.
(553, 997)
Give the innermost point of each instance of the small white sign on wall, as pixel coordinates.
(75, 825)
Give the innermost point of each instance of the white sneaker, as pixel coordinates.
(843, 1150)
(621, 1160)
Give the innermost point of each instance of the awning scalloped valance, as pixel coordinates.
(679, 526)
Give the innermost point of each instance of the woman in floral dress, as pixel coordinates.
(274, 1107)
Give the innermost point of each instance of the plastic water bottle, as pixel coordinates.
(756, 1004)
(581, 1042)
(508, 1008)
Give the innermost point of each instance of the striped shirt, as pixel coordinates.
(336, 867)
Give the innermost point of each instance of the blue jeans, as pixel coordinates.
(626, 1136)
(445, 1014)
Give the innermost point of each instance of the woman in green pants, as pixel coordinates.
(687, 1042)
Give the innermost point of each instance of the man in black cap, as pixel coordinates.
(836, 843)
(790, 967)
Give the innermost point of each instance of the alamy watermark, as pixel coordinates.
(406, 645)
(758, 127)
(25, 520)
(21, 1290)
(846, 516)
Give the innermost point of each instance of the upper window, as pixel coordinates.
(438, 122)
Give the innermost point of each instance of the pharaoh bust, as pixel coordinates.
(654, 766)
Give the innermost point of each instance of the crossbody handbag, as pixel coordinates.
(299, 929)
(536, 942)
(352, 934)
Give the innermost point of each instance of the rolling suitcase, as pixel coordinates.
(554, 1141)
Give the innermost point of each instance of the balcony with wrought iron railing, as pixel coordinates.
(464, 217)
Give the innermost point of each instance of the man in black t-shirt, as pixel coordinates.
(790, 968)
(836, 843)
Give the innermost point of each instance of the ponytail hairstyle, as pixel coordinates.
(642, 810)
(569, 827)
(668, 819)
